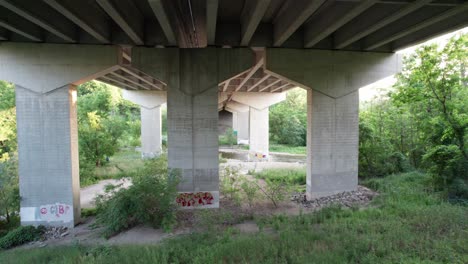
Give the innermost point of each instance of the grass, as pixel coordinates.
(406, 224)
(288, 149)
(296, 176)
(124, 163)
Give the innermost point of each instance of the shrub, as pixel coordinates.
(20, 235)
(229, 138)
(275, 191)
(250, 190)
(150, 200)
(230, 183)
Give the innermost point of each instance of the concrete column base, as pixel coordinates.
(48, 157)
(332, 143)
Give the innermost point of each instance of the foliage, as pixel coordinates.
(275, 191)
(288, 149)
(228, 138)
(407, 224)
(149, 200)
(230, 183)
(250, 190)
(285, 176)
(9, 188)
(7, 120)
(288, 119)
(434, 80)
(20, 235)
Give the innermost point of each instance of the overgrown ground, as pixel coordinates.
(407, 223)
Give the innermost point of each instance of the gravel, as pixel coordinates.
(360, 197)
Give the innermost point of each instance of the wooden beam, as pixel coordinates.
(426, 23)
(19, 31)
(251, 72)
(34, 19)
(270, 85)
(65, 11)
(129, 80)
(226, 84)
(112, 82)
(136, 75)
(120, 82)
(292, 18)
(342, 41)
(252, 15)
(211, 18)
(316, 32)
(259, 82)
(161, 15)
(280, 87)
(131, 25)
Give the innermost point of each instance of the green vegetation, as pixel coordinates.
(406, 224)
(423, 123)
(229, 138)
(288, 149)
(20, 236)
(288, 119)
(149, 200)
(294, 176)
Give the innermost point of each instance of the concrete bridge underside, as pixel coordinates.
(200, 57)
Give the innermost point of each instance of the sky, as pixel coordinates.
(378, 88)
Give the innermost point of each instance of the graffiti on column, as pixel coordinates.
(194, 199)
(56, 212)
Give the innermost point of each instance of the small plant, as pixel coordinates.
(275, 191)
(250, 189)
(230, 183)
(20, 236)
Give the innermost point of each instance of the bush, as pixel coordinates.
(150, 200)
(229, 138)
(20, 235)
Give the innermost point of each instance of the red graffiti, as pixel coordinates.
(43, 210)
(194, 199)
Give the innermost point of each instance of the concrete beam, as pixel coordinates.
(128, 19)
(289, 20)
(259, 100)
(112, 82)
(257, 66)
(373, 43)
(139, 77)
(160, 12)
(36, 20)
(29, 35)
(263, 79)
(347, 36)
(316, 32)
(128, 80)
(211, 19)
(278, 81)
(146, 99)
(87, 26)
(45, 67)
(252, 15)
(334, 73)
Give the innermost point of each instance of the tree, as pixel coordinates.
(434, 80)
(288, 119)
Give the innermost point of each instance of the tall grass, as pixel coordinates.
(406, 224)
(296, 176)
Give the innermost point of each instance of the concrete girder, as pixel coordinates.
(347, 36)
(37, 20)
(211, 19)
(29, 35)
(160, 11)
(251, 17)
(259, 100)
(132, 25)
(81, 21)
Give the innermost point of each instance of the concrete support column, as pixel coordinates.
(45, 76)
(243, 127)
(48, 156)
(332, 143)
(259, 132)
(151, 131)
(150, 110)
(192, 77)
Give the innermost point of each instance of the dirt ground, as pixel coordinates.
(228, 215)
